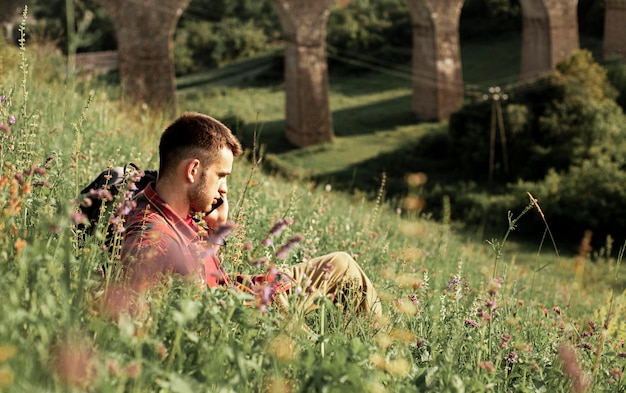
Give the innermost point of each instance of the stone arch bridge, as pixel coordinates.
(144, 30)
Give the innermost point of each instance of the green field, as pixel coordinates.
(486, 315)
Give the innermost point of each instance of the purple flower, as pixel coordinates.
(263, 296)
(78, 217)
(453, 283)
(472, 323)
(219, 234)
(101, 194)
(512, 357)
(280, 226)
(3, 98)
(48, 161)
(259, 262)
(283, 251)
(39, 170)
(11, 119)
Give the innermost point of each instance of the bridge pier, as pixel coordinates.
(308, 118)
(550, 34)
(437, 73)
(145, 48)
(615, 29)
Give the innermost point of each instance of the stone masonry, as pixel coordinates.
(145, 44)
(308, 117)
(615, 29)
(437, 75)
(550, 34)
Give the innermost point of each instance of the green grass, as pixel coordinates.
(460, 316)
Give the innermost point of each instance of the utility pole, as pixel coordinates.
(497, 123)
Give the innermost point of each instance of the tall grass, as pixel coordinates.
(454, 321)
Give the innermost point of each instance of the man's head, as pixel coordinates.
(194, 135)
(196, 156)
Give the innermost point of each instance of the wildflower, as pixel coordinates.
(259, 262)
(39, 171)
(78, 217)
(586, 346)
(505, 340)
(133, 370)
(616, 373)
(75, 364)
(557, 310)
(622, 354)
(5, 127)
(472, 323)
(487, 366)
(20, 178)
(11, 119)
(267, 242)
(19, 245)
(113, 367)
(453, 283)
(3, 98)
(101, 194)
(48, 161)
(6, 377)
(512, 357)
(263, 295)
(219, 234)
(6, 352)
(572, 369)
(593, 325)
(282, 347)
(247, 246)
(398, 366)
(283, 251)
(414, 299)
(162, 350)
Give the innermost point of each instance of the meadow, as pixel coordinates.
(460, 315)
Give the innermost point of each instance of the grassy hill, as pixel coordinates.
(459, 315)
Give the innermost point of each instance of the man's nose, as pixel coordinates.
(223, 188)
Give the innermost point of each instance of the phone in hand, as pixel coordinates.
(217, 204)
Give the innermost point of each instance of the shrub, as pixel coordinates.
(561, 120)
(565, 143)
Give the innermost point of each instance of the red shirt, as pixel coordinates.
(158, 241)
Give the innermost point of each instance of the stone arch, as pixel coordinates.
(614, 42)
(437, 75)
(549, 34)
(144, 32)
(308, 119)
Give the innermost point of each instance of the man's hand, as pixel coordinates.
(218, 216)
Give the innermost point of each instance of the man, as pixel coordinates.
(196, 155)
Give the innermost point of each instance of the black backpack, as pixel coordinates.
(104, 199)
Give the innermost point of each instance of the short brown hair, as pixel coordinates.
(194, 135)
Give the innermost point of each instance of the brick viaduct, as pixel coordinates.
(550, 33)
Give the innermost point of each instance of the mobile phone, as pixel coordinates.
(217, 204)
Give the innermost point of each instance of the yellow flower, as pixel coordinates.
(6, 352)
(19, 245)
(6, 377)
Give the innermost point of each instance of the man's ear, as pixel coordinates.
(192, 170)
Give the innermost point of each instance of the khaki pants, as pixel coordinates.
(334, 274)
